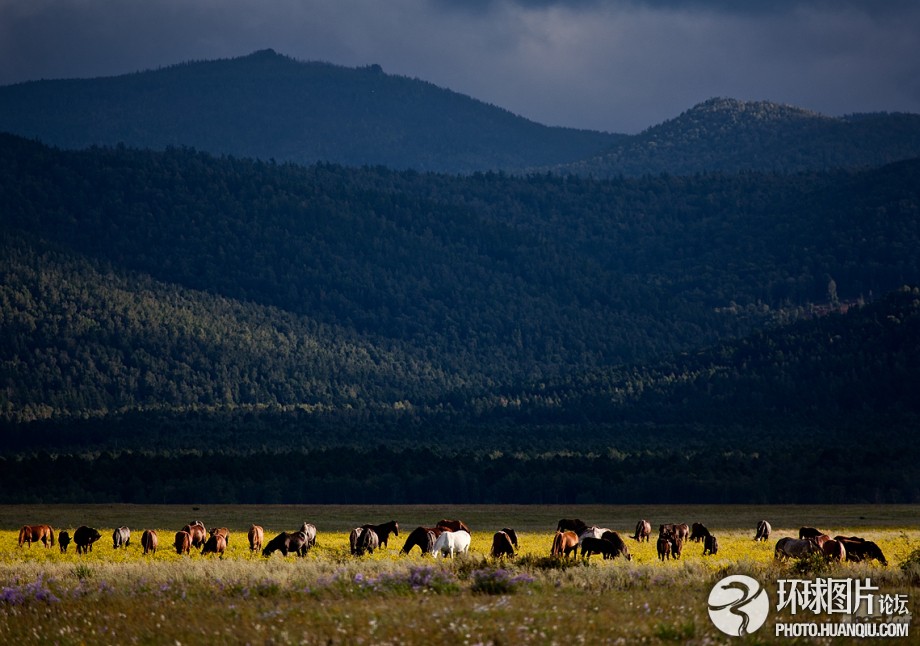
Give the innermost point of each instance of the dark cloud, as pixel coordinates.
(615, 65)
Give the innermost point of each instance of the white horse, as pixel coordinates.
(794, 548)
(593, 532)
(450, 543)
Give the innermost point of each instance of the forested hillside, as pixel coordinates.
(271, 107)
(727, 135)
(541, 338)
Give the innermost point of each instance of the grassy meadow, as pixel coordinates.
(111, 596)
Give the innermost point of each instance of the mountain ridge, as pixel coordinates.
(272, 107)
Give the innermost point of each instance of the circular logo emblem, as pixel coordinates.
(738, 605)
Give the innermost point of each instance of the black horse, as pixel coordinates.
(573, 525)
(503, 543)
(384, 530)
(423, 538)
(286, 543)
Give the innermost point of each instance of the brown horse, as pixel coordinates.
(34, 533)
(256, 536)
(564, 544)
(197, 534)
(183, 542)
(216, 544)
(221, 531)
(423, 538)
(453, 525)
(834, 551)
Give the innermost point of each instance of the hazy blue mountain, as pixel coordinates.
(269, 106)
(727, 135)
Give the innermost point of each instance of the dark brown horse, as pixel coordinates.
(643, 531)
(502, 545)
(453, 525)
(384, 530)
(809, 533)
(572, 525)
(298, 543)
(149, 541)
(859, 549)
(565, 544)
(36, 533)
(423, 538)
(698, 532)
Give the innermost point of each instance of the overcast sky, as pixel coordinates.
(615, 65)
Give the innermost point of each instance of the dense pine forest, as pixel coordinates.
(243, 281)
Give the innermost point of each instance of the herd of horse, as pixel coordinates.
(450, 537)
(813, 541)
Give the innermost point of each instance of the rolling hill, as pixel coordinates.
(727, 135)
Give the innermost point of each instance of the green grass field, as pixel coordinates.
(111, 596)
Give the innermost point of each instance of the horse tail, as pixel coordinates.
(51, 531)
(22, 535)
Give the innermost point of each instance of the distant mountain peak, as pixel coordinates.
(735, 110)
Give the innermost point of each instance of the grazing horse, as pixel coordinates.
(363, 539)
(64, 540)
(564, 544)
(121, 537)
(310, 530)
(384, 530)
(197, 533)
(423, 537)
(256, 534)
(710, 545)
(183, 542)
(794, 548)
(286, 543)
(450, 543)
(834, 550)
(34, 533)
(618, 543)
(763, 531)
(149, 541)
(511, 534)
(84, 537)
(216, 544)
(572, 525)
(453, 525)
(221, 531)
(643, 531)
(698, 532)
(664, 547)
(809, 532)
(859, 549)
(502, 545)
